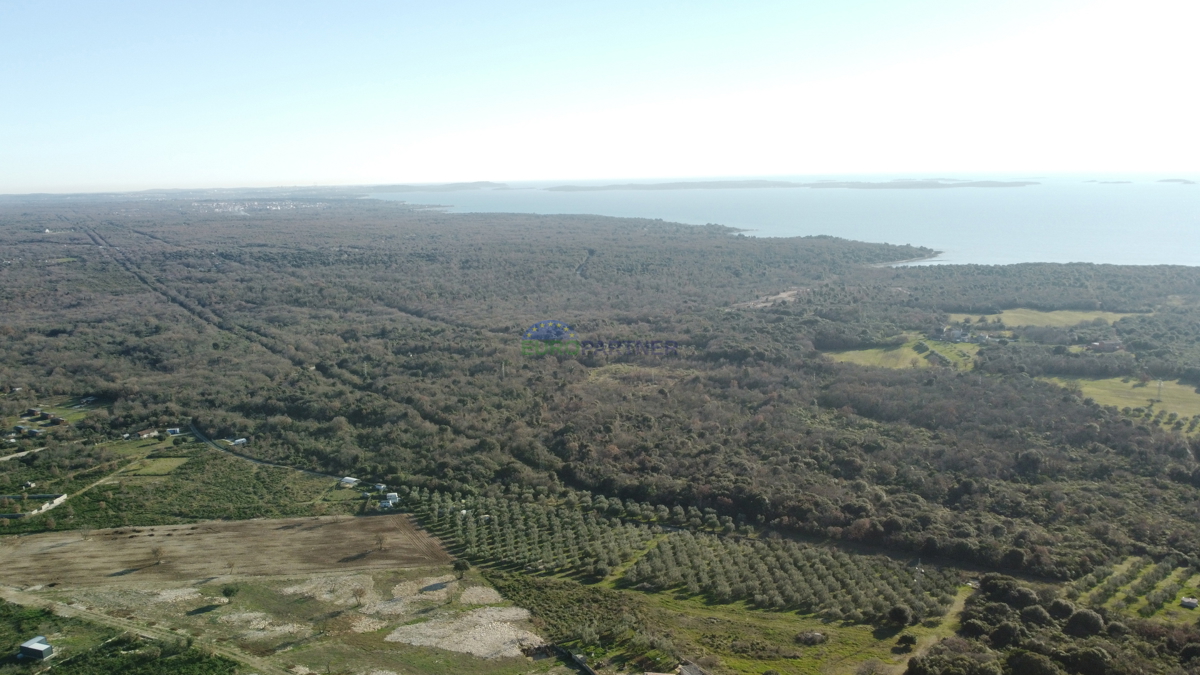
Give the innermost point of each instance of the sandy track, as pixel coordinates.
(206, 550)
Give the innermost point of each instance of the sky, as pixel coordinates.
(127, 95)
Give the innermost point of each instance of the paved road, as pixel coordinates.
(30, 600)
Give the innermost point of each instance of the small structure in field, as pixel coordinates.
(1189, 603)
(147, 433)
(239, 441)
(37, 648)
(348, 482)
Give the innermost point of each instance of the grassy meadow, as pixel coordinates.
(1032, 317)
(906, 356)
(1121, 392)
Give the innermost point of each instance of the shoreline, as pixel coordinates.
(908, 261)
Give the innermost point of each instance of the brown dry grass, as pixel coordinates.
(211, 549)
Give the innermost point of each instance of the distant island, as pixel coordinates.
(445, 187)
(927, 184)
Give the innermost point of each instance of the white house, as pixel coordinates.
(349, 482)
(239, 441)
(1190, 603)
(174, 431)
(392, 498)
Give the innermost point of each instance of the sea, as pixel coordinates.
(1108, 219)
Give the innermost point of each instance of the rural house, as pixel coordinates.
(349, 482)
(148, 433)
(37, 648)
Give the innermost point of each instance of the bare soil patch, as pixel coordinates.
(490, 633)
(202, 551)
(480, 595)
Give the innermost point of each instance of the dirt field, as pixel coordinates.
(211, 549)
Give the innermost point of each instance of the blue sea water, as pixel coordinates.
(1061, 219)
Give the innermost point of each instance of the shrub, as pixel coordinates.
(1036, 614)
(1061, 609)
(811, 637)
(900, 615)
(1084, 622)
(1029, 663)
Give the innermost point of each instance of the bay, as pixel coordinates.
(1099, 219)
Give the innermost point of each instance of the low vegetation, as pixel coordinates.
(357, 338)
(82, 648)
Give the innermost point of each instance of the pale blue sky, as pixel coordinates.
(124, 95)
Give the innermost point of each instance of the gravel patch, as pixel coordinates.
(365, 624)
(489, 633)
(431, 589)
(338, 590)
(259, 625)
(480, 595)
(176, 595)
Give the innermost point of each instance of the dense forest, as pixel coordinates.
(382, 340)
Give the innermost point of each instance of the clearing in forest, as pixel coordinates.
(958, 355)
(1127, 392)
(252, 547)
(1062, 318)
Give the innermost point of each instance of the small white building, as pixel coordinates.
(349, 482)
(239, 441)
(37, 648)
(392, 498)
(380, 487)
(1190, 603)
(174, 431)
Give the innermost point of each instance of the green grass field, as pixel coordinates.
(339, 494)
(1126, 392)
(1032, 317)
(160, 466)
(904, 356)
(742, 638)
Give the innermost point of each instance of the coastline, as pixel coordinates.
(909, 261)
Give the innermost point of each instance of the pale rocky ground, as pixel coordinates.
(480, 595)
(436, 611)
(488, 632)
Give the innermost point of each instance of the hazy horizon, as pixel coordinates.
(220, 95)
